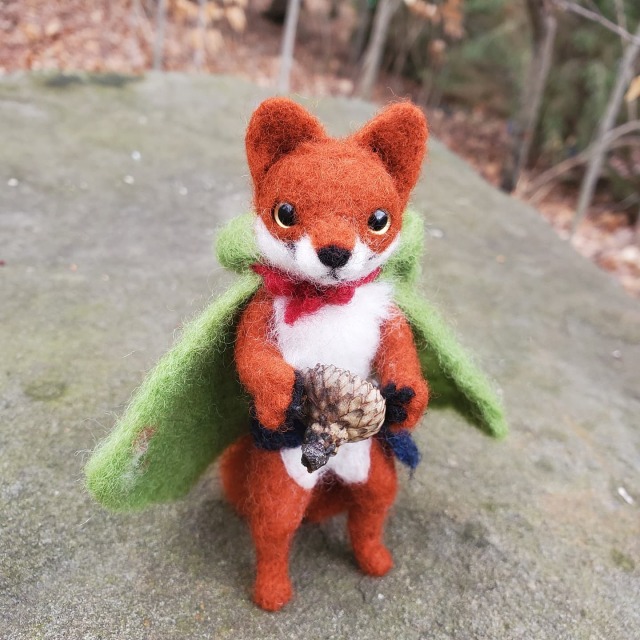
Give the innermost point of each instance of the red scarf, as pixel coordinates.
(306, 297)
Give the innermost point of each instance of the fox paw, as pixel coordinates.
(374, 559)
(271, 594)
(397, 399)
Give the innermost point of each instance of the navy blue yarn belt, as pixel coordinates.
(400, 443)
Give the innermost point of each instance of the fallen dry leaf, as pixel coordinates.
(236, 17)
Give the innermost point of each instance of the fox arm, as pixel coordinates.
(397, 363)
(263, 372)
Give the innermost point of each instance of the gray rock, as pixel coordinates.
(110, 193)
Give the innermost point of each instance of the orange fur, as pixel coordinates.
(256, 482)
(397, 361)
(261, 367)
(258, 486)
(335, 185)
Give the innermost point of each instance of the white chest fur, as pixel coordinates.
(348, 337)
(351, 464)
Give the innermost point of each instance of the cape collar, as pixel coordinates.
(304, 297)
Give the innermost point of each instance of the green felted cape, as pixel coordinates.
(191, 406)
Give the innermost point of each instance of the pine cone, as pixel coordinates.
(342, 407)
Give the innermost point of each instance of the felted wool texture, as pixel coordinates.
(333, 184)
(276, 127)
(304, 298)
(299, 260)
(314, 178)
(368, 508)
(350, 465)
(189, 408)
(300, 165)
(235, 244)
(397, 363)
(347, 336)
(398, 136)
(267, 377)
(174, 426)
(327, 500)
(236, 249)
(258, 486)
(404, 265)
(403, 447)
(453, 377)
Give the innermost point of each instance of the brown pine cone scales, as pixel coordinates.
(341, 407)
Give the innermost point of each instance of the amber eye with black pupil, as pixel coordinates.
(379, 221)
(285, 215)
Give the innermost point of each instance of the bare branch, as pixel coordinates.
(620, 16)
(597, 17)
(288, 44)
(544, 25)
(622, 130)
(544, 183)
(142, 21)
(373, 55)
(199, 53)
(614, 140)
(605, 126)
(158, 45)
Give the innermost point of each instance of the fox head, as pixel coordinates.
(330, 210)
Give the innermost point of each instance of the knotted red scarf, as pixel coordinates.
(305, 297)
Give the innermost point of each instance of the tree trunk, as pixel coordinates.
(411, 34)
(608, 121)
(615, 140)
(375, 49)
(361, 35)
(199, 54)
(621, 18)
(288, 42)
(544, 27)
(158, 45)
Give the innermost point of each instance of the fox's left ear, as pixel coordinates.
(398, 136)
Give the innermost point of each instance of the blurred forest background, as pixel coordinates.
(541, 96)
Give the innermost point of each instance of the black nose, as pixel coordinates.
(334, 257)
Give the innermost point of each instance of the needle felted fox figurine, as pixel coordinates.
(329, 215)
(328, 266)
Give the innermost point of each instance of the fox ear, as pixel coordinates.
(398, 136)
(276, 128)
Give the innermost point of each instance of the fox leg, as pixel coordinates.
(370, 503)
(274, 505)
(329, 498)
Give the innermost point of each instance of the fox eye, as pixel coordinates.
(379, 222)
(285, 215)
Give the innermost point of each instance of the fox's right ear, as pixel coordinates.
(276, 128)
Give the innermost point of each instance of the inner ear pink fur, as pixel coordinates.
(276, 128)
(398, 136)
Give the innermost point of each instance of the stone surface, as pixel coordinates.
(110, 192)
